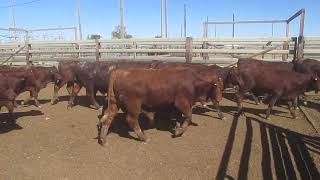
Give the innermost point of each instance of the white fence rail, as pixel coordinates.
(312, 47)
(207, 50)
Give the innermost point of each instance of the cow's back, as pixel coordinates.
(249, 63)
(152, 87)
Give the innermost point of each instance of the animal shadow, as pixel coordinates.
(8, 124)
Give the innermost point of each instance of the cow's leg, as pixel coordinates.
(185, 107)
(35, 95)
(10, 106)
(295, 103)
(150, 116)
(178, 121)
(70, 87)
(255, 98)
(133, 121)
(105, 122)
(72, 91)
(239, 98)
(90, 92)
(273, 100)
(292, 110)
(57, 87)
(217, 106)
(28, 99)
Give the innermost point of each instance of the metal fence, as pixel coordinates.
(221, 51)
(197, 50)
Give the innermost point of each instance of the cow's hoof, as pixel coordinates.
(146, 140)
(178, 132)
(102, 142)
(53, 102)
(97, 107)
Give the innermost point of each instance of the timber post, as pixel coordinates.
(98, 46)
(188, 50)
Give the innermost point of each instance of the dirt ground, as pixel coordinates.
(56, 143)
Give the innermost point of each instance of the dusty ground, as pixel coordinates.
(56, 143)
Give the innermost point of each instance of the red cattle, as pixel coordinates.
(308, 66)
(36, 78)
(148, 90)
(8, 87)
(94, 76)
(276, 82)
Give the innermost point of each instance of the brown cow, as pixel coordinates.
(282, 84)
(8, 86)
(212, 70)
(137, 90)
(308, 66)
(36, 78)
(94, 76)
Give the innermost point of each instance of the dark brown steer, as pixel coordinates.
(36, 78)
(94, 76)
(308, 66)
(8, 86)
(137, 90)
(283, 84)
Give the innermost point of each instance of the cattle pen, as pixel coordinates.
(206, 49)
(57, 141)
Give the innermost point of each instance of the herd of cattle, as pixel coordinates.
(150, 87)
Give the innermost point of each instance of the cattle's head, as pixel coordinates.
(233, 79)
(315, 84)
(51, 74)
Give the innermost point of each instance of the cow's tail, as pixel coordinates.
(111, 95)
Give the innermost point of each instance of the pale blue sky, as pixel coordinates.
(142, 16)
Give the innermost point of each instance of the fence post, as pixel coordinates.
(28, 46)
(188, 50)
(135, 46)
(77, 47)
(205, 56)
(301, 36)
(285, 47)
(295, 48)
(98, 46)
(300, 47)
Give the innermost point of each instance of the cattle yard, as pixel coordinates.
(208, 50)
(56, 142)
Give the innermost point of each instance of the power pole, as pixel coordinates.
(165, 18)
(185, 20)
(79, 20)
(232, 25)
(14, 19)
(121, 20)
(161, 18)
